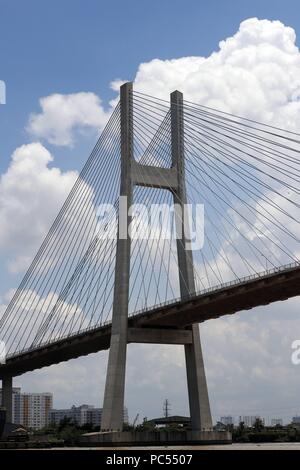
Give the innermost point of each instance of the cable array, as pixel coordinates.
(69, 283)
(246, 176)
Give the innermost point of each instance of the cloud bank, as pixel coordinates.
(255, 73)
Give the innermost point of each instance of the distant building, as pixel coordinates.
(35, 408)
(35, 411)
(249, 421)
(276, 422)
(81, 415)
(16, 406)
(94, 416)
(169, 420)
(296, 420)
(30, 409)
(227, 420)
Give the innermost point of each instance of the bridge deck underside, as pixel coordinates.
(223, 301)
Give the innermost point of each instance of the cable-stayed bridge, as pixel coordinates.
(89, 288)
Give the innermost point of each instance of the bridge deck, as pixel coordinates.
(229, 299)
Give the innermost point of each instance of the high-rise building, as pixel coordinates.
(35, 408)
(80, 415)
(94, 416)
(35, 411)
(30, 409)
(249, 421)
(16, 411)
(227, 420)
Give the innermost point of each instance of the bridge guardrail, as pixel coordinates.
(220, 287)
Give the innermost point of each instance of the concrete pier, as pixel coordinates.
(7, 391)
(155, 438)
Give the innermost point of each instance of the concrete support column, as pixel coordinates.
(197, 386)
(112, 414)
(7, 393)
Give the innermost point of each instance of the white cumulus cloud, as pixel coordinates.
(62, 115)
(31, 193)
(255, 73)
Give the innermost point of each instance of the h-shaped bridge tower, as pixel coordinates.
(81, 293)
(173, 179)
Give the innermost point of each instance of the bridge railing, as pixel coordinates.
(178, 300)
(220, 287)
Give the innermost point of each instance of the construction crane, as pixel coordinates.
(135, 419)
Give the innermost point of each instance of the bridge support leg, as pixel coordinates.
(7, 392)
(113, 406)
(197, 386)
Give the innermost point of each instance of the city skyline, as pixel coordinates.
(79, 413)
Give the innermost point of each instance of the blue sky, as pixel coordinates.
(72, 46)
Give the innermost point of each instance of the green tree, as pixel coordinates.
(258, 425)
(65, 422)
(241, 428)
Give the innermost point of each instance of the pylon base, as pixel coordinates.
(155, 438)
